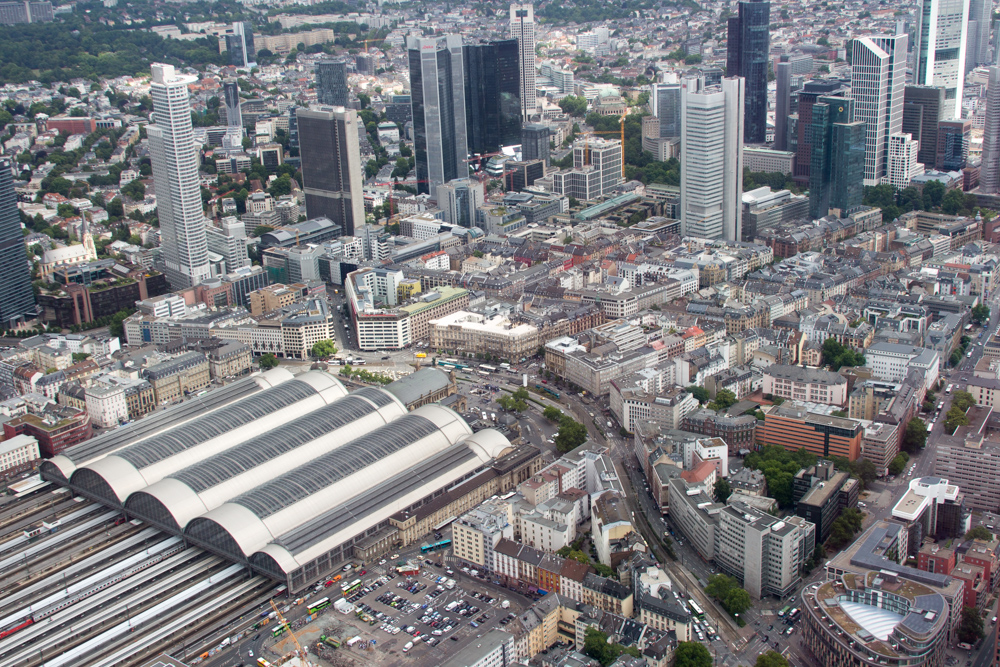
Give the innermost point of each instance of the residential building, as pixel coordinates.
(878, 77)
(476, 534)
(437, 95)
(175, 159)
(923, 109)
(106, 405)
(748, 56)
(940, 49)
(522, 28)
(712, 158)
(331, 83)
(837, 168)
(332, 177)
(173, 379)
(902, 165)
(492, 95)
(17, 296)
(26, 11)
(18, 453)
(805, 384)
(793, 427)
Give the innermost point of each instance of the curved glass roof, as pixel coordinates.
(202, 429)
(334, 466)
(269, 445)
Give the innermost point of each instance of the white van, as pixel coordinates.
(408, 646)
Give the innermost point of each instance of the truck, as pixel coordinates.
(505, 604)
(450, 584)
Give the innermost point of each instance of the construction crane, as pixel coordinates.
(301, 652)
(366, 41)
(620, 132)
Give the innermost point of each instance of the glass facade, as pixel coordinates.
(837, 169)
(17, 299)
(331, 83)
(748, 46)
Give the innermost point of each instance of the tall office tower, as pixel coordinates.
(332, 177)
(229, 240)
(748, 48)
(989, 174)
(954, 138)
(878, 77)
(941, 34)
(923, 109)
(535, 142)
(811, 91)
(331, 83)
(437, 95)
(459, 200)
(174, 157)
(522, 28)
(977, 51)
(782, 104)
(233, 139)
(17, 298)
(902, 164)
(665, 100)
(712, 158)
(293, 129)
(836, 176)
(240, 46)
(492, 95)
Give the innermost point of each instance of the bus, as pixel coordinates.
(488, 369)
(322, 603)
(427, 548)
(505, 367)
(698, 613)
(450, 361)
(781, 614)
(263, 663)
(351, 587)
(421, 355)
(278, 631)
(483, 373)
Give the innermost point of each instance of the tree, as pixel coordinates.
(915, 436)
(970, 630)
(724, 399)
(573, 105)
(898, 463)
(267, 361)
(737, 602)
(597, 646)
(954, 419)
(511, 403)
(324, 348)
(699, 393)
(571, 434)
(722, 490)
(963, 400)
(836, 355)
(692, 654)
(981, 313)
(552, 413)
(771, 659)
(979, 533)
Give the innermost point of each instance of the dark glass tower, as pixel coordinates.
(17, 298)
(837, 172)
(535, 143)
(492, 95)
(666, 99)
(748, 47)
(782, 104)
(923, 109)
(331, 83)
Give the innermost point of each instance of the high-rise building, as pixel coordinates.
(836, 176)
(989, 174)
(522, 28)
(902, 165)
(923, 109)
(712, 158)
(332, 177)
(17, 298)
(977, 51)
(174, 158)
(492, 95)
(878, 78)
(331, 83)
(239, 45)
(229, 240)
(12, 13)
(233, 138)
(954, 138)
(535, 142)
(782, 104)
(748, 49)
(459, 200)
(437, 95)
(941, 41)
(811, 91)
(665, 100)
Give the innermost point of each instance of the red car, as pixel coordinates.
(363, 572)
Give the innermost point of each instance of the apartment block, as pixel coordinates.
(805, 384)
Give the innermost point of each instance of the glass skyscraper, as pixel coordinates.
(748, 51)
(941, 41)
(332, 176)
(17, 298)
(492, 95)
(331, 83)
(837, 172)
(666, 103)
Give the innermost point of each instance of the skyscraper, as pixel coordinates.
(977, 51)
(522, 28)
(782, 104)
(712, 158)
(923, 108)
(240, 46)
(492, 95)
(989, 175)
(748, 47)
(535, 142)
(17, 298)
(437, 95)
(902, 164)
(836, 175)
(665, 99)
(811, 91)
(459, 200)
(954, 138)
(878, 78)
(941, 41)
(234, 116)
(174, 158)
(331, 83)
(332, 177)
